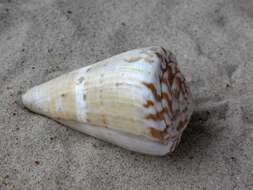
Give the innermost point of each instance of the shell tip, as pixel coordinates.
(25, 99)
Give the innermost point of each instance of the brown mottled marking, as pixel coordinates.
(158, 115)
(185, 109)
(176, 114)
(168, 135)
(164, 58)
(178, 81)
(178, 89)
(181, 125)
(149, 103)
(154, 117)
(164, 51)
(161, 57)
(185, 89)
(167, 61)
(176, 70)
(170, 75)
(132, 59)
(167, 98)
(163, 80)
(152, 87)
(156, 133)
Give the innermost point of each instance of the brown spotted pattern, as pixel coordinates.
(174, 96)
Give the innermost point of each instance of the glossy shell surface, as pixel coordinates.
(138, 100)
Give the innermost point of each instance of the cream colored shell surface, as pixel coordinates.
(139, 94)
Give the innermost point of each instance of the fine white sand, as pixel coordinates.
(213, 42)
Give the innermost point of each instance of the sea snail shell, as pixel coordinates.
(138, 100)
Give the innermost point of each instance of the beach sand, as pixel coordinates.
(213, 42)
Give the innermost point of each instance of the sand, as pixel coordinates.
(213, 42)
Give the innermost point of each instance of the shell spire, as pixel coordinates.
(138, 100)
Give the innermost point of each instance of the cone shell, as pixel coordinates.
(138, 100)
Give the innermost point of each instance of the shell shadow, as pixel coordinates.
(198, 136)
(194, 137)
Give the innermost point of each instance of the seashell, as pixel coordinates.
(138, 100)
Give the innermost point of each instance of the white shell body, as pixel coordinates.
(137, 100)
